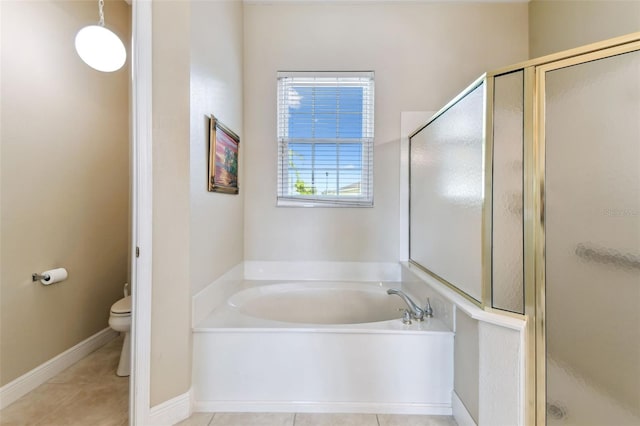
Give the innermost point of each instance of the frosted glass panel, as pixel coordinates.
(446, 195)
(508, 116)
(592, 214)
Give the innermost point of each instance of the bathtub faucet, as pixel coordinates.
(416, 311)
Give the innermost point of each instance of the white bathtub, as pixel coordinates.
(321, 347)
(318, 303)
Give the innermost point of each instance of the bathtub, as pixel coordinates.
(321, 347)
(318, 303)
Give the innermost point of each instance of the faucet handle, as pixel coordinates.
(406, 316)
(428, 310)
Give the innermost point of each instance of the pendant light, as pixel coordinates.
(99, 47)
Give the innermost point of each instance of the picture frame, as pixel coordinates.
(223, 158)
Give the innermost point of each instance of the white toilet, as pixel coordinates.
(120, 320)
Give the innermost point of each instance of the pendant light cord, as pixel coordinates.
(100, 8)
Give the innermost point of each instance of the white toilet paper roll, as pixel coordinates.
(54, 276)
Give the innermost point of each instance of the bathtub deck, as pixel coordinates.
(227, 319)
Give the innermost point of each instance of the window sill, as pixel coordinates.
(323, 204)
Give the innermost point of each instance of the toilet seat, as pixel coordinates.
(122, 307)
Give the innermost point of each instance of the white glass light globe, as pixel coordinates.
(100, 48)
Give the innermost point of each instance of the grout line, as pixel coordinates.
(378, 420)
(211, 419)
(294, 419)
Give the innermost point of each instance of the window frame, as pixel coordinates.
(360, 79)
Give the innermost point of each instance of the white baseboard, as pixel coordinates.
(172, 411)
(321, 407)
(460, 413)
(322, 271)
(24, 384)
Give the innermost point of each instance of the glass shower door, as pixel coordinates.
(592, 241)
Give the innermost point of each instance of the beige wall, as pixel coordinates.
(65, 179)
(217, 226)
(423, 54)
(197, 235)
(171, 309)
(556, 25)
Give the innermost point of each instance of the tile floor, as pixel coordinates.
(307, 419)
(86, 394)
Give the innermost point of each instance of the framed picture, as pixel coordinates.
(223, 158)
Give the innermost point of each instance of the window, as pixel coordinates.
(325, 139)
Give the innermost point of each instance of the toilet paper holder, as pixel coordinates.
(50, 276)
(38, 277)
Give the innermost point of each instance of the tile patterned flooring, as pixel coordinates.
(90, 394)
(308, 419)
(86, 394)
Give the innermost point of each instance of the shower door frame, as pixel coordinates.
(536, 226)
(533, 203)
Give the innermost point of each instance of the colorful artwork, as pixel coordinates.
(223, 158)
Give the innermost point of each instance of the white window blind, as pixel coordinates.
(325, 138)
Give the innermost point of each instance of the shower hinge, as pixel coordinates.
(137, 251)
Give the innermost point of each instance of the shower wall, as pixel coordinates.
(466, 363)
(65, 181)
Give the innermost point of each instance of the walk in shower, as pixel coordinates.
(525, 198)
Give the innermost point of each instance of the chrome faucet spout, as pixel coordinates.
(416, 311)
